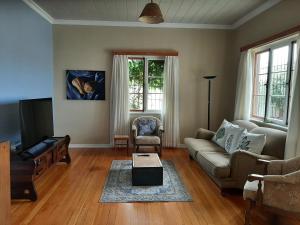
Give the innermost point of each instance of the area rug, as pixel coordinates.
(118, 187)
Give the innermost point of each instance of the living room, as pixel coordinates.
(196, 69)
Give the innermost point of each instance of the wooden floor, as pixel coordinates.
(69, 195)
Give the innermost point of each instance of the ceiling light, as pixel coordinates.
(151, 14)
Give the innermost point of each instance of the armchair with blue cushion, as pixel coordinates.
(147, 131)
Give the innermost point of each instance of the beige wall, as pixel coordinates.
(279, 18)
(201, 52)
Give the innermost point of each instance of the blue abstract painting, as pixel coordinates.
(85, 85)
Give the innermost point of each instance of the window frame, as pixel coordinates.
(290, 41)
(145, 83)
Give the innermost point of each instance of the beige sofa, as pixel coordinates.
(231, 170)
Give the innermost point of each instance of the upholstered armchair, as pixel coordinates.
(278, 191)
(147, 131)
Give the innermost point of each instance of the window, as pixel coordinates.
(146, 84)
(274, 68)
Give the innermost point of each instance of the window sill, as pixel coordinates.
(270, 125)
(145, 113)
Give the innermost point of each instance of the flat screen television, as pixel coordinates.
(36, 118)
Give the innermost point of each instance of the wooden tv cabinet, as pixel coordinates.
(25, 171)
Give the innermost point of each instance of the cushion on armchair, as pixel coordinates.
(147, 127)
(147, 140)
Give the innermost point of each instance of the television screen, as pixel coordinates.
(36, 120)
(9, 123)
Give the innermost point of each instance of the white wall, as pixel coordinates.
(201, 52)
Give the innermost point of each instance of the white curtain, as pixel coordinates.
(292, 148)
(119, 96)
(243, 97)
(170, 109)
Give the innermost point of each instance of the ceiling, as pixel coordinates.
(214, 12)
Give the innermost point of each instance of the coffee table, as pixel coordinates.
(147, 169)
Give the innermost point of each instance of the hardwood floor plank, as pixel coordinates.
(69, 195)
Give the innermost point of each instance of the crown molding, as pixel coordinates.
(264, 7)
(241, 21)
(39, 10)
(139, 24)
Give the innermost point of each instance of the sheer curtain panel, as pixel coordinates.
(119, 96)
(292, 148)
(170, 109)
(244, 87)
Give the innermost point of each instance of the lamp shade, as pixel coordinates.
(151, 14)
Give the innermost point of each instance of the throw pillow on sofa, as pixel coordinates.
(233, 138)
(252, 142)
(220, 137)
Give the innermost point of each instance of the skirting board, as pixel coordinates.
(104, 146)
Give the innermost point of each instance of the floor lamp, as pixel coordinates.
(209, 78)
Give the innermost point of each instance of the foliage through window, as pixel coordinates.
(274, 68)
(146, 83)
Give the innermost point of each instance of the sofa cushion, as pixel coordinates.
(275, 141)
(215, 163)
(147, 140)
(202, 145)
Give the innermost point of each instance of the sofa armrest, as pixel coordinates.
(204, 134)
(259, 159)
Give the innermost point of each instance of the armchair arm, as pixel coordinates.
(265, 163)
(161, 129)
(260, 179)
(204, 134)
(291, 178)
(134, 130)
(243, 163)
(282, 191)
(253, 177)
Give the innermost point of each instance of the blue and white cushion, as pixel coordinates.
(147, 127)
(252, 142)
(220, 137)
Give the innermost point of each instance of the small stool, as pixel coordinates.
(121, 140)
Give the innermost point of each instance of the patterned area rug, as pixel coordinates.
(118, 187)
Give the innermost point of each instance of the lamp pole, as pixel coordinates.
(209, 78)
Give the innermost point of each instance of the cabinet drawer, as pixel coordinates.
(40, 166)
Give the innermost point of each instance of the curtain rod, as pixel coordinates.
(271, 38)
(150, 53)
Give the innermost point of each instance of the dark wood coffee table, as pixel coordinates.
(147, 169)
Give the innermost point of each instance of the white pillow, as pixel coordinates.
(252, 142)
(220, 137)
(233, 138)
